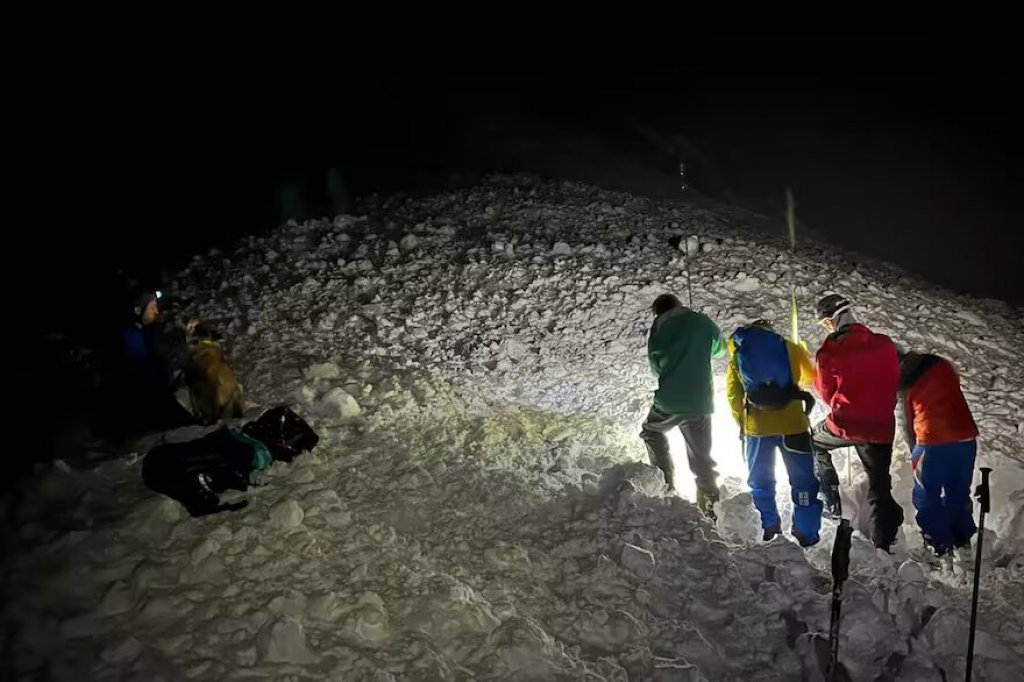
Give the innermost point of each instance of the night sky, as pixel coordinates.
(900, 147)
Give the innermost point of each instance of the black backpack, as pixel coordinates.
(196, 471)
(285, 433)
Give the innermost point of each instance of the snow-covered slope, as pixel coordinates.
(480, 506)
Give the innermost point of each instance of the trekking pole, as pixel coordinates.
(840, 572)
(984, 500)
(794, 322)
(689, 289)
(686, 241)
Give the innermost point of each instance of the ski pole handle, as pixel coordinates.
(982, 493)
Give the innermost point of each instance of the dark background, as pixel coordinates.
(903, 147)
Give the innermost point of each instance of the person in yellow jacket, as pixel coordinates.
(765, 385)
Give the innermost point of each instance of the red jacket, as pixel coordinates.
(858, 378)
(933, 404)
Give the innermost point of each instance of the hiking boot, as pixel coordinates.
(706, 504)
(963, 560)
(833, 504)
(804, 540)
(770, 533)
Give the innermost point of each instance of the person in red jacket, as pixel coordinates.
(858, 378)
(941, 433)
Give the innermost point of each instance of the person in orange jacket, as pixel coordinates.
(940, 431)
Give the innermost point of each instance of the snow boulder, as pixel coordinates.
(322, 370)
(746, 284)
(283, 641)
(638, 560)
(288, 513)
(409, 243)
(339, 403)
(561, 249)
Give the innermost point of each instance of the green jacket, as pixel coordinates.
(680, 347)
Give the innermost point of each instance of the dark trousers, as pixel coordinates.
(697, 434)
(886, 516)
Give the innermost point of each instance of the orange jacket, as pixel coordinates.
(933, 409)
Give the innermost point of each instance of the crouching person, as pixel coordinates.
(940, 431)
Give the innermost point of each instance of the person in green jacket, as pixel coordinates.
(680, 347)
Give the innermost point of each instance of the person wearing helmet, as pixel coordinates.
(764, 385)
(680, 347)
(858, 376)
(148, 371)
